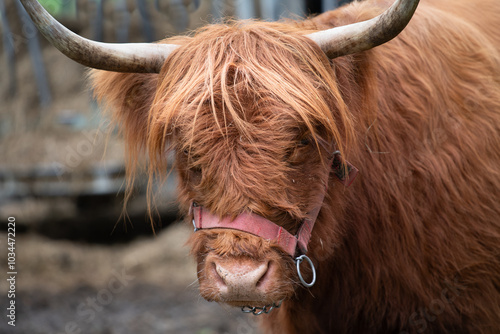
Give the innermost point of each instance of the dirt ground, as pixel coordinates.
(146, 286)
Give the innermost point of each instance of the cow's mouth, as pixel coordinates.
(257, 310)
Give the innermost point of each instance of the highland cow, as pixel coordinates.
(270, 121)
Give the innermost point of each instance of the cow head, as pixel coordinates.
(250, 136)
(254, 113)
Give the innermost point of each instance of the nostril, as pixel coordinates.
(266, 277)
(217, 274)
(262, 279)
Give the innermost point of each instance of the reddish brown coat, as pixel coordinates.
(414, 244)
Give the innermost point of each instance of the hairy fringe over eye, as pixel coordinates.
(233, 69)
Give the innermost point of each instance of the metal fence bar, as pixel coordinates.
(327, 5)
(273, 10)
(96, 20)
(245, 9)
(8, 45)
(35, 52)
(147, 26)
(123, 26)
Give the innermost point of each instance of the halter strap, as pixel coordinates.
(247, 222)
(264, 228)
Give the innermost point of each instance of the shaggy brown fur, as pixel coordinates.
(254, 109)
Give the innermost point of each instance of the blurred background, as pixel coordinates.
(81, 267)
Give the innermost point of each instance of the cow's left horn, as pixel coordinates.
(127, 57)
(361, 36)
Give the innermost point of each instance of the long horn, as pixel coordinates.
(361, 36)
(125, 57)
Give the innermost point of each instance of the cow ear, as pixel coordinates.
(128, 97)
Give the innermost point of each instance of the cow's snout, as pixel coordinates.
(240, 277)
(240, 269)
(239, 280)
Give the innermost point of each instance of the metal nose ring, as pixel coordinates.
(299, 260)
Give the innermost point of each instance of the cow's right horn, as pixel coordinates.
(361, 36)
(126, 57)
